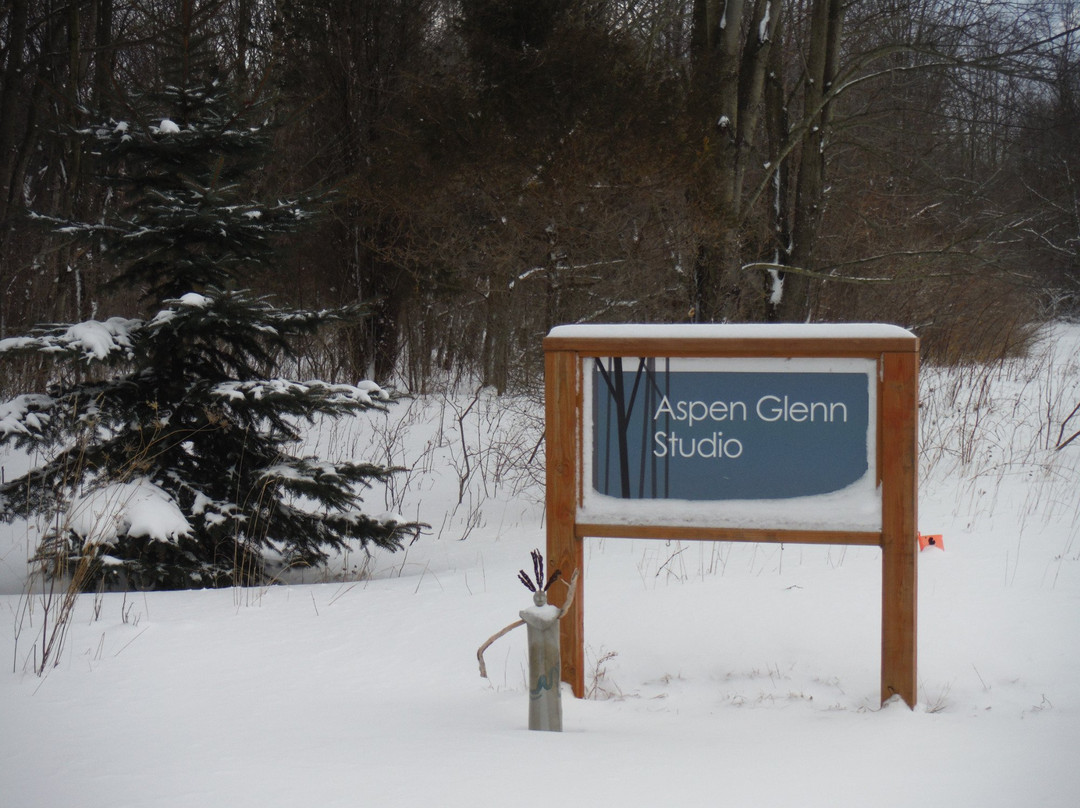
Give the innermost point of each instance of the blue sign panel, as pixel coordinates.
(659, 433)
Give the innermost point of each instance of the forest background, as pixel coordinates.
(493, 168)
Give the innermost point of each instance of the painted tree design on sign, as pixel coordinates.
(623, 387)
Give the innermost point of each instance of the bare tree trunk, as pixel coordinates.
(104, 53)
(728, 94)
(11, 98)
(825, 37)
(497, 336)
(777, 126)
(243, 41)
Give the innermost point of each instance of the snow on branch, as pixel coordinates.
(92, 339)
(364, 393)
(304, 474)
(25, 415)
(138, 509)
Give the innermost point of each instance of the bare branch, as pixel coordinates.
(484, 647)
(572, 586)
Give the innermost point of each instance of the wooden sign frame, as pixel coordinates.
(896, 352)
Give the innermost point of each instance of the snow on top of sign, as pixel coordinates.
(733, 331)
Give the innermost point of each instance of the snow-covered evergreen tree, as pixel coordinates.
(168, 447)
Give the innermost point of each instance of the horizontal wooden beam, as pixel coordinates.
(694, 533)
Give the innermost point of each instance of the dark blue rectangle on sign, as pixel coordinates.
(659, 433)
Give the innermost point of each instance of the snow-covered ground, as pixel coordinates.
(719, 674)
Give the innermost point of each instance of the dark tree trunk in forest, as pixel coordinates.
(825, 38)
(730, 51)
(104, 54)
(777, 126)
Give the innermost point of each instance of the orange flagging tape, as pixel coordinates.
(931, 540)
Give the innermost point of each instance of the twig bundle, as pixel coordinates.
(538, 573)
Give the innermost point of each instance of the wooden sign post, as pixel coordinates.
(762, 433)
